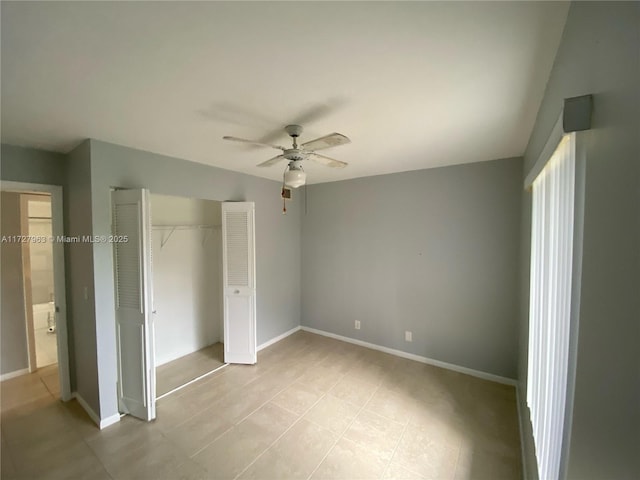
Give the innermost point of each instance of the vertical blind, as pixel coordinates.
(550, 304)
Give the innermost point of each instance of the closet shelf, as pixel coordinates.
(182, 226)
(173, 228)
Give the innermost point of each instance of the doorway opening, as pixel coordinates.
(37, 209)
(33, 323)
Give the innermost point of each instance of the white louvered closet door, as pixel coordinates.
(239, 282)
(134, 328)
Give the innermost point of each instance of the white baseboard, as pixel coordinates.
(110, 421)
(93, 415)
(14, 374)
(268, 343)
(417, 358)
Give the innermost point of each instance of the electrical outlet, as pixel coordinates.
(357, 324)
(408, 336)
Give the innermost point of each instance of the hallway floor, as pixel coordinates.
(46, 347)
(44, 383)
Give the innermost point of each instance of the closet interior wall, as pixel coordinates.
(187, 275)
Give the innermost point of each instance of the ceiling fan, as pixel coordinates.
(295, 176)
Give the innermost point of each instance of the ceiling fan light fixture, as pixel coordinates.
(294, 177)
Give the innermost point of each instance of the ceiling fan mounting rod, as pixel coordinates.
(294, 132)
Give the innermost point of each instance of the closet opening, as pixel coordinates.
(187, 290)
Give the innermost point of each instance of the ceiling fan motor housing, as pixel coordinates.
(295, 165)
(293, 130)
(294, 155)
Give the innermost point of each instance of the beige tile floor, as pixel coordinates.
(312, 408)
(184, 369)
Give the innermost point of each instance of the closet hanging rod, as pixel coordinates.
(183, 227)
(173, 228)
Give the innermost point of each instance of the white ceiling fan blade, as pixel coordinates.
(271, 161)
(329, 162)
(328, 141)
(253, 142)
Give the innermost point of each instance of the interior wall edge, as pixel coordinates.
(101, 423)
(276, 339)
(87, 408)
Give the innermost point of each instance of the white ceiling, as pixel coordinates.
(413, 84)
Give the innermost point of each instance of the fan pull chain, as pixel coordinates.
(284, 193)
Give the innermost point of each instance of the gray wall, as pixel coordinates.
(13, 323)
(599, 54)
(79, 273)
(30, 165)
(433, 251)
(277, 239)
(19, 164)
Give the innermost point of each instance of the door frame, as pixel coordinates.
(26, 278)
(57, 228)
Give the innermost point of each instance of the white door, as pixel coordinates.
(239, 282)
(133, 289)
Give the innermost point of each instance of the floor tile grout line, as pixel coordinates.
(297, 420)
(409, 469)
(395, 449)
(342, 434)
(269, 369)
(104, 467)
(324, 394)
(455, 469)
(235, 389)
(293, 380)
(244, 418)
(93, 452)
(212, 441)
